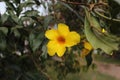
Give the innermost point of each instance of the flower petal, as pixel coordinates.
(84, 53)
(61, 51)
(51, 48)
(72, 39)
(88, 46)
(51, 34)
(54, 47)
(63, 29)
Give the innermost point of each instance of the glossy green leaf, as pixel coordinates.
(96, 38)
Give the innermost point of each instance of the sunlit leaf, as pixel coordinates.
(96, 38)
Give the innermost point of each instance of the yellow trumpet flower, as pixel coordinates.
(60, 39)
(86, 50)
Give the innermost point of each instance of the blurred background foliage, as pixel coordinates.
(23, 52)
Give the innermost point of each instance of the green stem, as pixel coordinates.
(105, 17)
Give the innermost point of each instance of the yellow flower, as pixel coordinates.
(86, 50)
(87, 46)
(60, 39)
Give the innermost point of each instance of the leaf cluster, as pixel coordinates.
(23, 52)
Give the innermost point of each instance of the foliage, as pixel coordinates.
(23, 52)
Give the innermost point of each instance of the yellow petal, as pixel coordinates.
(51, 48)
(51, 34)
(54, 47)
(61, 51)
(84, 53)
(63, 29)
(87, 45)
(72, 39)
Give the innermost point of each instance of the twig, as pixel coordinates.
(84, 4)
(75, 3)
(105, 17)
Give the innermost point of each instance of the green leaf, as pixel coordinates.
(2, 42)
(36, 40)
(21, 6)
(16, 33)
(97, 38)
(10, 5)
(4, 30)
(4, 17)
(17, 1)
(47, 20)
(31, 13)
(15, 18)
(118, 1)
(44, 51)
(16, 27)
(15, 30)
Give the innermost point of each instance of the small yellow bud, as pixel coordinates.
(103, 30)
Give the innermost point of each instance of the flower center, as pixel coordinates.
(61, 40)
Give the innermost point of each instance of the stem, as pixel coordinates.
(84, 4)
(105, 17)
(75, 3)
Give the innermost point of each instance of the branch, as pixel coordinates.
(75, 3)
(90, 6)
(105, 17)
